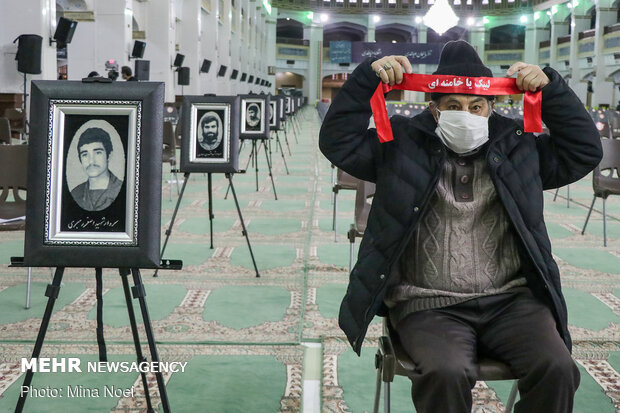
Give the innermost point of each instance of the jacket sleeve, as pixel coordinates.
(573, 147)
(345, 138)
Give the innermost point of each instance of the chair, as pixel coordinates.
(365, 191)
(5, 131)
(13, 172)
(169, 152)
(614, 123)
(343, 181)
(391, 359)
(17, 120)
(606, 179)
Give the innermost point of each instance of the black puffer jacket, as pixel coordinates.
(406, 171)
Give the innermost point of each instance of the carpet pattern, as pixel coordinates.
(243, 336)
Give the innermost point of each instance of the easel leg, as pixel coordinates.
(124, 272)
(140, 293)
(282, 152)
(210, 186)
(52, 293)
(174, 216)
(245, 232)
(270, 173)
(255, 161)
(286, 141)
(99, 294)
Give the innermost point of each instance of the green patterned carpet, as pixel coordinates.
(243, 337)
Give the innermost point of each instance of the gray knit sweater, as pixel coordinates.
(463, 248)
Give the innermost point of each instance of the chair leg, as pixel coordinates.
(604, 224)
(386, 397)
(512, 397)
(176, 179)
(567, 196)
(556, 194)
(28, 288)
(351, 244)
(588, 217)
(335, 218)
(377, 391)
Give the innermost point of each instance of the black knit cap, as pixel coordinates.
(459, 58)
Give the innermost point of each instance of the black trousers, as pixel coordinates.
(514, 328)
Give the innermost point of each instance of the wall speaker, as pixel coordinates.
(234, 74)
(222, 71)
(206, 65)
(290, 62)
(178, 60)
(138, 49)
(64, 30)
(243, 77)
(29, 53)
(142, 69)
(184, 76)
(257, 81)
(251, 79)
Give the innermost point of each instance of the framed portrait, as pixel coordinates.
(274, 118)
(254, 116)
(288, 105)
(211, 124)
(94, 169)
(282, 109)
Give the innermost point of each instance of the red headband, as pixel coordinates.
(456, 84)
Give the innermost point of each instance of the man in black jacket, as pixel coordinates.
(456, 250)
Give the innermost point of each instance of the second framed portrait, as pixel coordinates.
(274, 118)
(211, 125)
(94, 167)
(254, 117)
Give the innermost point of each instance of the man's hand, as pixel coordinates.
(529, 77)
(391, 68)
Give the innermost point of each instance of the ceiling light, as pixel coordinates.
(376, 18)
(440, 17)
(324, 17)
(418, 19)
(523, 19)
(470, 21)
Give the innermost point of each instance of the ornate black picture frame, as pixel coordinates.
(94, 182)
(211, 125)
(254, 122)
(274, 115)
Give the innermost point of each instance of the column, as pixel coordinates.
(189, 45)
(579, 23)
(223, 45)
(271, 23)
(109, 37)
(312, 86)
(41, 20)
(559, 28)
(160, 39)
(603, 90)
(535, 33)
(209, 48)
(412, 96)
(370, 34)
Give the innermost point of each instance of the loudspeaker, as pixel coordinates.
(138, 49)
(251, 79)
(234, 74)
(222, 71)
(243, 76)
(142, 69)
(64, 30)
(29, 53)
(184, 76)
(290, 62)
(178, 60)
(206, 65)
(257, 81)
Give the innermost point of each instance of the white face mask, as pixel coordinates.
(462, 131)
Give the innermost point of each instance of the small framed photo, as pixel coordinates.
(94, 171)
(289, 105)
(282, 109)
(274, 118)
(254, 117)
(211, 124)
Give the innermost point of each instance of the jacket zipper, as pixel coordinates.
(402, 246)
